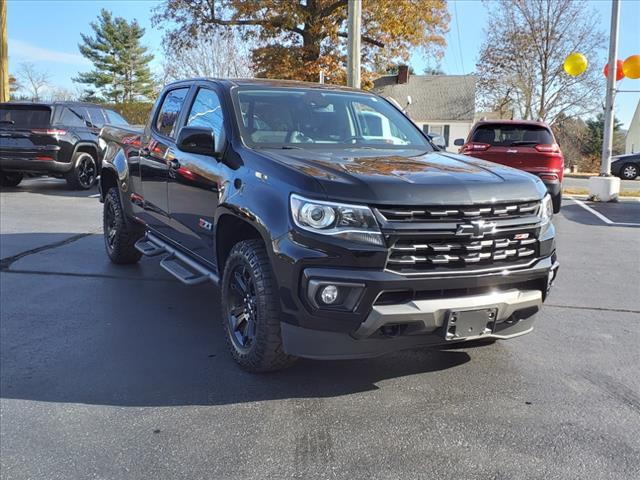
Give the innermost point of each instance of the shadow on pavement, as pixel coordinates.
(119, 340)
(49, 186)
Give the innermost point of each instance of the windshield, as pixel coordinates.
(506, 135)
(298, 117)
(24, 116)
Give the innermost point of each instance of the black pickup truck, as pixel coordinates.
(59, 139)
(331, 224)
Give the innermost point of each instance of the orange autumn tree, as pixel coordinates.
(297, 39)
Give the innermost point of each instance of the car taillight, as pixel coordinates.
(547, 148)
(475, 147)
(48, 131)
(548, 176)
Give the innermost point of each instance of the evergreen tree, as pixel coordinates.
(121, 64)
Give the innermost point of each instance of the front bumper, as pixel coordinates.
(375, 328)
(423, 321)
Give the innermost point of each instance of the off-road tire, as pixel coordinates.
(10, 179)
(265, 353)
(119, 236)
(79, 178)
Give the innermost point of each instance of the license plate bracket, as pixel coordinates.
(468, 324)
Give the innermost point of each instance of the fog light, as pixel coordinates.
(329, 294)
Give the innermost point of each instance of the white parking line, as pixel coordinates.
(602, 217)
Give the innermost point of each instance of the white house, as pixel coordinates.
(440, 104)
(632, 140)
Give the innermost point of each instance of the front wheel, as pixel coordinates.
(629, 171)
(250, 309)
(84, 173)
(10, 179)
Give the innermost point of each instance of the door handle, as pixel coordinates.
(174, 164)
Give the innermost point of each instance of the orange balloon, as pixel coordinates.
(631, 67)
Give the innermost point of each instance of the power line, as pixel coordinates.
(455, 10)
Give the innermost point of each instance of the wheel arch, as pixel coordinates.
(231, 229)
(90, 148)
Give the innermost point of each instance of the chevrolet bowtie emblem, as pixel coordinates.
(476, 228)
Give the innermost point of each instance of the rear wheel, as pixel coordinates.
(10, 179)
(556, 200)
(119, 237)
(250, 309)
(84, 173)
(629, 171)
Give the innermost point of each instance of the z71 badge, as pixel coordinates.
(202, 223)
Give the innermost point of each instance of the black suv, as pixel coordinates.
(59, 139)
(331, 223)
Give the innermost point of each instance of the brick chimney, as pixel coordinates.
(403, 74)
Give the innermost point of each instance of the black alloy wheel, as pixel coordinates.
(242, 308)
(110, 226)
(86, 171)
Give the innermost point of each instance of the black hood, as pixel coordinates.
(409, 177)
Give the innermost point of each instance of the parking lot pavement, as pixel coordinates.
(115, 373)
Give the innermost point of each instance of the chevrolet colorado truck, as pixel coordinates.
(329, 236)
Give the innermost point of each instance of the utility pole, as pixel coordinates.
(4, 54)
(353, 40)
(605, 187)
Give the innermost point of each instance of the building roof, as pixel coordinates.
(433, 97)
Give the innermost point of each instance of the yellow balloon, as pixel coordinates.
(575, 64)
(631, 67)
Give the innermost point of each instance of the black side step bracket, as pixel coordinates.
(186, 269)
(148, 248)
(182, 271)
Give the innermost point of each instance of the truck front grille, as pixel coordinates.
(424, 240)
(438, 213)
(416, 254)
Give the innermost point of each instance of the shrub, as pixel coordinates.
(136, 113)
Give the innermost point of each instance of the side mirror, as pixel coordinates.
(458, 142)
(198, 140)
(438, 140)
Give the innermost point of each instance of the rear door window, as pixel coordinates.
(506, 135)
(169, 110)
(24, 116)
(74, 117)
(96, 117)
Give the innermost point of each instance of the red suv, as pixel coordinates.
(526, 145)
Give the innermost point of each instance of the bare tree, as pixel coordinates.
(218, 54)
(62, 94)
(520, 65)
(34, 81)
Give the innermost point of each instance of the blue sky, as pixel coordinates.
(47, 33)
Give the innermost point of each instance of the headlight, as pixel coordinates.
(546, 210)
(350, 222)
